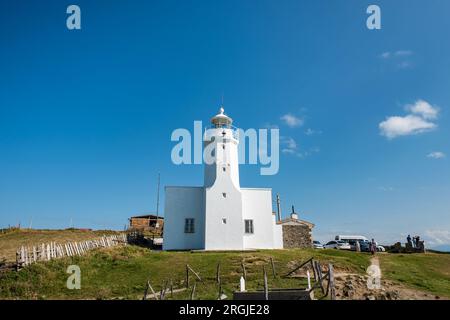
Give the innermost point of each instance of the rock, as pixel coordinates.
(349, 289)
(370, 297)
(392, 295)
(382, 297)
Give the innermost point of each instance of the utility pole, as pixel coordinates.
(278, 208)
(157, 203)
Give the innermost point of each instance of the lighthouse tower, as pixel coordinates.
(221, 149)
(220, 215)
(223, 198)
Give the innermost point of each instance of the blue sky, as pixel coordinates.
(86, 115)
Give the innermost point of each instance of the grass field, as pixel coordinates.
(429, 272)
(122, 272)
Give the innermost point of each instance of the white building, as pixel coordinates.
(220, 215)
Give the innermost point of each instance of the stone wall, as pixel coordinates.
(296, 236)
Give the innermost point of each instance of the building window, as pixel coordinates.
(224, 220)
(224, 194)
(224, 169)
(248, 226)
(189, 225)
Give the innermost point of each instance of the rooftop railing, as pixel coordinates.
(234, 130)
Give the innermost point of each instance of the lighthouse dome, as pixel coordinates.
(221, 120)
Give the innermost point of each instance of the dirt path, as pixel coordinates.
(352, 286)
(375, 261)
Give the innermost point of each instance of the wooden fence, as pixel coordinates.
(52, 250)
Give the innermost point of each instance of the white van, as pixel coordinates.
(350, 238)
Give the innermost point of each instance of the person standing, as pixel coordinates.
(373, 246)
(408, 239)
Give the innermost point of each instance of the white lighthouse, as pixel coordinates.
(220, 215)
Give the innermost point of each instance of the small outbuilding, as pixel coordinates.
(296, 233)
(148, 222)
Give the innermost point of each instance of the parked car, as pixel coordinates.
(351, 240)
(337, 245)
(365, 246)
(317, 245)
(352, 244)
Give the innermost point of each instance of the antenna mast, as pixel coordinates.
(157, 203)
(278, 208)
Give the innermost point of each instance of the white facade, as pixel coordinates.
(220, 215)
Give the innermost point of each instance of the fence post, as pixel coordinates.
(187, 277)
(273, 268)
(193, 290)
(244, 272)
(331, 281)
(218, 273)
(266, 286)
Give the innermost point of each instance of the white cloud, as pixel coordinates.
(404, 65)
(403, 126)
(424, 109)
(310, 132)
(308, 153)
(386, 189)
(290, 146)
(399, 57)
(398, 53)
(289, 151)
(418, 121)
(436, 155)
(437, 237)
(270, 126)
(292, 121)
(291, 143)
(402, 53)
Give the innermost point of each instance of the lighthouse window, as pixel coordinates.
(224, 169)
(223, 146)
(224, 220)
(224, 194)
(248, 226)
(189, 225)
